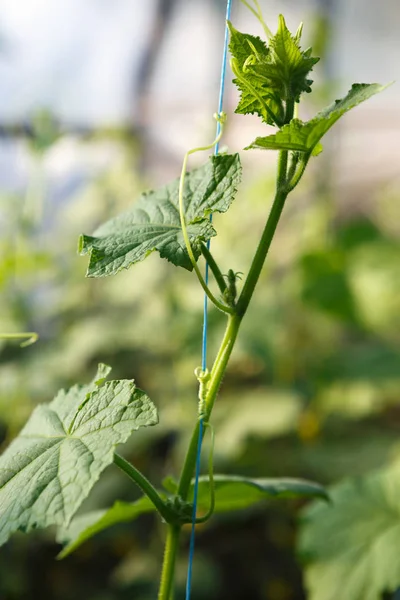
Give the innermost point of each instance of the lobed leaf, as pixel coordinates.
(269, 75)
(292, 64)
(243, 45)
(352, 546)
(153, 223)
(293, 136)
(256, 97)
(50, 468)
(305, 137)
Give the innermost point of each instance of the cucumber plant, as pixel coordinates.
(50, 468)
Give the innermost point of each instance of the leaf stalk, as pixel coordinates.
(146, 487)
(223, 307)
(30, 337)
(270, 227)
(216, 271)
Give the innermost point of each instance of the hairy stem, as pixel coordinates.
(168, 570)
(270, 227)
(262, 250)
(210, 511)
(219, 278)
(217, 373)
(221, 361)
(214, 300)
(293, 164)
(294, 181)
(144, 485)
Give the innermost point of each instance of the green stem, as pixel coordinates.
(259, 16)
(224, 353)
(267, 30)
(219, 278)
(168, 571)
(144, 485)
(294, 161)
(30, 337)
(216, 376)
(263, 247)
(281, 194)
(294, 181)
(214, 300)
(210, 511)
(217, 373)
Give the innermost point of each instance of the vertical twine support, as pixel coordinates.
(205, 324)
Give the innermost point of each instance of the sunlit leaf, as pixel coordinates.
(305, 137)
(50, 468)
(268, 75)
(153, 222)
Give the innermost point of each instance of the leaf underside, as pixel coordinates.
(231, 493)
(50, 468)
(153, 222)
(84, 527)
(305, 137)
(352, 546)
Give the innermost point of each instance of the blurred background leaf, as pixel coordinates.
(352, 545)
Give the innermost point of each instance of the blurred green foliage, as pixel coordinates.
(361, 560)
(312, 390)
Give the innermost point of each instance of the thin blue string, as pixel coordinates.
(205, 325)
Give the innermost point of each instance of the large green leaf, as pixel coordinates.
(352, 545)
(85, 526)
(293, 136)
(305, 137)
(153, 222)
(49, 469)
(233, 492)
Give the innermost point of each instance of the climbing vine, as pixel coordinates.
(50, 468)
